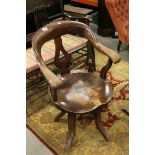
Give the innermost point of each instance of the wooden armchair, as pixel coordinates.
(119, 12)
(73, 44)
(77, 91)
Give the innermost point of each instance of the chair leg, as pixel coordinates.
(125, 111)
(99, 126)
(61, 114)
(119, 45)
(71, 130)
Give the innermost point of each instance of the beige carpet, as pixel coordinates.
(88, 140)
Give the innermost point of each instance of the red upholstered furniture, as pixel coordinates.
(119, 12)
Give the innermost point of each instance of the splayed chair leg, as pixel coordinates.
(125, 111)
(119, 45)
(100, 127)
(61, 114)
(71, 131)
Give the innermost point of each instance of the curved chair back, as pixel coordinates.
(54, 31)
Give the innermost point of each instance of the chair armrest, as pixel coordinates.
(114, 56)
(51, 78)
(82, 19)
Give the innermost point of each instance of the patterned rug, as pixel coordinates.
(88, 140)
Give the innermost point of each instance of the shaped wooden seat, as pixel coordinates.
(90, 90)
(74, 93)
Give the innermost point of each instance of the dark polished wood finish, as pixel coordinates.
(99, 125)
(71, 130)
(89, 90)
(105, 69)
(125, 111)
(79, 92)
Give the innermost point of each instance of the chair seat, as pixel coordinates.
(83, 92)
(71, 43)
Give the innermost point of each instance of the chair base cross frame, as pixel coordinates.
(72, 121)
(56, 96)
(77, 92)
(72, 126)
